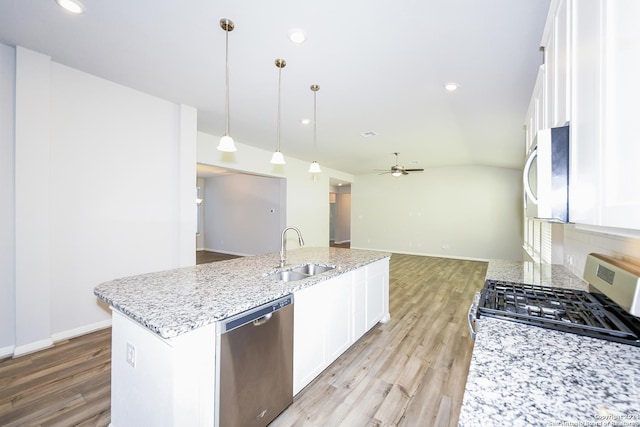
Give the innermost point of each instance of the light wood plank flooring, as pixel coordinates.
(204, 257)
(409, 372)
(66, 385)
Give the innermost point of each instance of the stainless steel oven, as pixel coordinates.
(607, 311)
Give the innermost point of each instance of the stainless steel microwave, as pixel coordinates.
(546, 176)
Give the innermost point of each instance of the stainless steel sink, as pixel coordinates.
(289, 275)
(301, 272)
(313, 269)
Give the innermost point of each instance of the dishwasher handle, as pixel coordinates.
(261, 321)
(472, 315)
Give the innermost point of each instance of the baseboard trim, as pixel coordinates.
(7, 351)
(82, 330)
(13, 351)
(32, 347)
(226, 252)
(425, 254)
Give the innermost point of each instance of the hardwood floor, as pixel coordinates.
(203, 257)
(66, 385)
(409, 372)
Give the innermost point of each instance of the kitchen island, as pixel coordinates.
(523, 375)
(164, 326)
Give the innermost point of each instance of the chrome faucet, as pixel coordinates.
(283, 244)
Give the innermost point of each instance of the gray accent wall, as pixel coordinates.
(244, 214)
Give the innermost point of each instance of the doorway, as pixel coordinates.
(340, 214)
(240, 213)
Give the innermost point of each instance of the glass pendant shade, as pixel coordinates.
(396, 173)
(278, 158)
(315, 167)
(227, 145)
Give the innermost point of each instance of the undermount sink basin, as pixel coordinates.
(301, 272)
(313, 269)
(289, 276)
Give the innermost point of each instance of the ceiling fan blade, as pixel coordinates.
(414, 170)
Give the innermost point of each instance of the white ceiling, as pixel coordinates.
(381, 66)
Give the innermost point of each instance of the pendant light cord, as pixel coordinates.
(226, 104)
(279, 90)
(315, 92)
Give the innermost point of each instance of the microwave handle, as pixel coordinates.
(525, 175)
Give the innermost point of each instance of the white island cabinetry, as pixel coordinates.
(332, 315)
(165, 326)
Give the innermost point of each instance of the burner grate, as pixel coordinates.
(555, 308)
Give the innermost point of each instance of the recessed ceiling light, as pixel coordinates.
(305, 121)
(71, 6)
(451, 86)
(297, 36)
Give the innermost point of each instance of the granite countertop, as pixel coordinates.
(532, 273)
(176, 301)
(523, 375)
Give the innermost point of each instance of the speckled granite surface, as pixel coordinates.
(522, 375)
(176, 301)
(534, 274)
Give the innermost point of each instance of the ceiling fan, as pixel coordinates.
(398, 170)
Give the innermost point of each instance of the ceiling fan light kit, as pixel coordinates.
(278, 158)
(226, 142)
(398, 170)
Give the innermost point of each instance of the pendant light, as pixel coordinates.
(226, 142)
(315, 167)
(278, 158)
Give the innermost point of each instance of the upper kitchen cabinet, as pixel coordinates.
(556, 41)
(605, 87)
(536, 115)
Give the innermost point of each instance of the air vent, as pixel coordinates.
(368, 134)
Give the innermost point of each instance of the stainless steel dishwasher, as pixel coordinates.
(254, 372)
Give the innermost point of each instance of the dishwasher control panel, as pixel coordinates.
(254, 314)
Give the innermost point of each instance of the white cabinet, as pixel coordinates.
(536, 115)
(377, 300)
(331, 315)
(604, 178)
(322, 327)
(309, 338)
(359, 303)
(557, 61)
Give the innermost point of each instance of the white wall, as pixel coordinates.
(464, 212)
(7, 183)
(578, 243)
(307, 195)
(104, 182)
(242, 214)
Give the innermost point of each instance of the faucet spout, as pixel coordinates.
(283, 244)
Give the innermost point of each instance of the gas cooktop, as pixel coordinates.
(585, 313)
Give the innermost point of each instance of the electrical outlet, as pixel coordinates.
(131, 355)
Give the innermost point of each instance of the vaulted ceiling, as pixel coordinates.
(381, 67)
